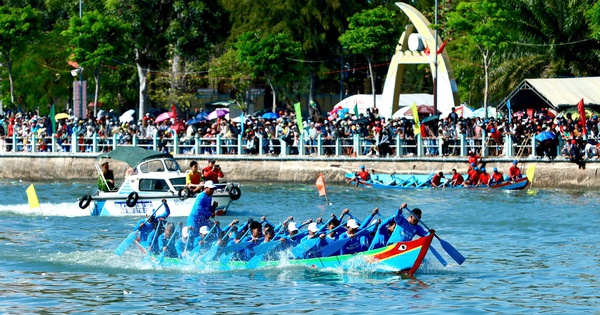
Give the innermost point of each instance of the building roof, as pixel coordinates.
(555, 93)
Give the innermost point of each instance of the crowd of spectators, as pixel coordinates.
(379, 134)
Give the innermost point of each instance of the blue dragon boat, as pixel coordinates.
(412, 181)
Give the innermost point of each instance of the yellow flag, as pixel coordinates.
(530, 172)
(32, 197)
(415, 112)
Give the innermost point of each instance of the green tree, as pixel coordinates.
(149, 20)
(369, 34)
(552, 40)
(96, 40)
(483, 25)
(593, 17)
(229, 66)
(273, 56)
(18, 28)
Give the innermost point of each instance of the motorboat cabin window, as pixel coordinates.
(152, 166)
(172, 165)
(153, 184)
(178, 182)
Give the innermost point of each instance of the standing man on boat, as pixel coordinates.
(106, 181)
(203, 209)
(212, 172)
(193, 178)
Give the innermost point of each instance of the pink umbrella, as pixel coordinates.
(164, 116)
(217, 113)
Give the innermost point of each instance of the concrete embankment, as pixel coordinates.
(63, 167)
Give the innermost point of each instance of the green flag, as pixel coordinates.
(356, 110)
(53, 119)
(298, 109)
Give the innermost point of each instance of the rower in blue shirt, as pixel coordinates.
(163, 241)
(406, 229)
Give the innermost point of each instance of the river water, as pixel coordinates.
(527, 253)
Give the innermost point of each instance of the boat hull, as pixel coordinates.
(407, 181)
(398, 257)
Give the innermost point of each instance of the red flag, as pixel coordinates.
(582, 119)
(321, 185)
(174, 109)
(426, 51)
(441, 48)
(72, 62)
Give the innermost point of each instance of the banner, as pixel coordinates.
(530, 172)
(321, 185)
(32, 197)
(415, 113)
(582, 118)
(52, 118)
(298, 109)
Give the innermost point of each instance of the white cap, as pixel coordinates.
(313, 227)
(292, 227)
(209, 184)
(185, 232)
(204, 230)
(352, 224)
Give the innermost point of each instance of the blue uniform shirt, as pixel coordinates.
(404, 231)
(201, 212)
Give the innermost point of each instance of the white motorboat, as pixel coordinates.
(155, 176)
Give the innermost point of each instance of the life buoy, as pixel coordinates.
(84, 201)
(132, 199)
(184, 193)
(235, 193)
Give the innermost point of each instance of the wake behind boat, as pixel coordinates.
(154, 176)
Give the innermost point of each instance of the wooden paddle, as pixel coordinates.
(133, 235)
(445, 245)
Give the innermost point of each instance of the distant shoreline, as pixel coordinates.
(559, 173)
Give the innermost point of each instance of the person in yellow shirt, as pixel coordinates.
(193, 178)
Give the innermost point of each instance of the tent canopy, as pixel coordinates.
(555, 93)
(365, 101)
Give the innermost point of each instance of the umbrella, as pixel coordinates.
(217, 113)
(545, 135)
(202, 115)
(127, 116)
(270, 115)
(430, 119)
(60, 116)
(164, 116)
(178, 126)
(194, 120)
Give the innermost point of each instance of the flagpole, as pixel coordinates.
(435, 60)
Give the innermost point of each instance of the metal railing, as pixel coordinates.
(352, 146)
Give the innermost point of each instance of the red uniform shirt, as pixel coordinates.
(458, 179)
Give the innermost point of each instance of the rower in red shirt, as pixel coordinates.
(514, 172)
(363, 174)
(497, 177)
(484, 178)
(436, 181)
(473, 177)
(457, 178)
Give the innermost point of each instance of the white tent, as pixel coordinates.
(364, 101)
